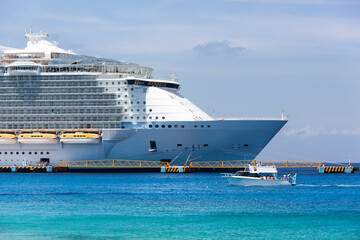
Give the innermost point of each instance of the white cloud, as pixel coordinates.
(309, 131)
(222, 48)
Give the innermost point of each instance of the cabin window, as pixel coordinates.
(205, 145)
(246, 145)
(179, 145)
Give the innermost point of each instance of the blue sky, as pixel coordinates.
(236, 58)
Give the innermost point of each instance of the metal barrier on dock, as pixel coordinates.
(245, 163)
(111, 163)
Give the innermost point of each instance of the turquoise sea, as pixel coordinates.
(176, 206)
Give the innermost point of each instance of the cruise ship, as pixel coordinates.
(56, 105)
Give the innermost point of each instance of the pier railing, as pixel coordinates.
(121, 163)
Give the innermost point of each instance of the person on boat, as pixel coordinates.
(288, 176)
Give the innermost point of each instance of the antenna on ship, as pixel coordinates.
(282, 115)
(35, 37)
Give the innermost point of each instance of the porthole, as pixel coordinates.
(125, 89)
(144, 110)
(113, 83)
(42, 153)
(150, 117)
(156, 117)
(23, 153)
(100, 83)
(132, 89)
(157, 126)
(208, 126)
(35, 153)
(144, 102)
(119, 89)
(125, 102)
(163, 126)
(125, 117)
(182, 126)
(17, 153)
(11, 153)
(137, 117)
(138, 102)
(106, 83)
(29, 153)
(144, 117)
(47, 153)
(118, 83)
(150, 110)
(169, 126)
(163, 117)
(150, 126)
(138, 110)
(132, 117)
(131, 102)
(175, 126)
(126, 96)
(5, 153)
(195, 126)
(202, 126)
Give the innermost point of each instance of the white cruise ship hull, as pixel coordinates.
(38, 141)
(224, 140)
(80, 140)
(8, 141)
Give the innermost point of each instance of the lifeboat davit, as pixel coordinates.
(80, 138)
(7, 138)
(37, 138)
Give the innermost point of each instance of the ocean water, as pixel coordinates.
(176, 206)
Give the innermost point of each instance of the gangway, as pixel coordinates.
(235, 164)
(245, 163)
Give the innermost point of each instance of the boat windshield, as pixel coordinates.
(246, 174)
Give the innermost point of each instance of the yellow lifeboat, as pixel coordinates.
(7, 138)
(38, 138)
(80, 137)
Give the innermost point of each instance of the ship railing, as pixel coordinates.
(251, 118)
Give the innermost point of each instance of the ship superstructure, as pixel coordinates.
(56, 105)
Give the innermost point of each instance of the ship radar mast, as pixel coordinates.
(35, 38)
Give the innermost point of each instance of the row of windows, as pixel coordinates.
(113, 83)
(58, 97)
(47, 77)
(58, 118)
(131, 102)
(50, 103)
(48, 84)
(62, 111)
(17, 153)
(175, 126)
(52, 90)
(59, 125)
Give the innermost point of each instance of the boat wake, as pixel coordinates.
(326, 185)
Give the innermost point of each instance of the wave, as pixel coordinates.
(326, 185)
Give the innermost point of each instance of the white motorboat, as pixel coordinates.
(260, 176)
